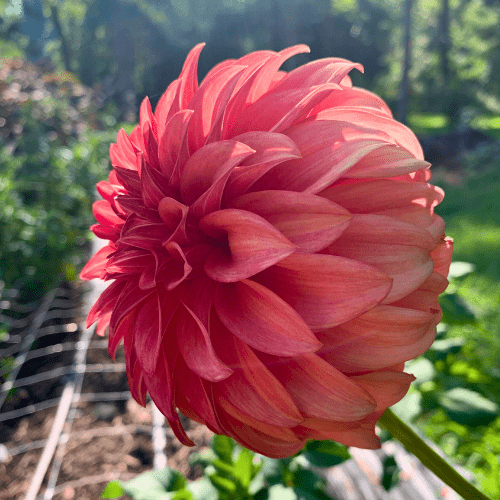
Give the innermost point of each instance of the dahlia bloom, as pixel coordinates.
(274, 252)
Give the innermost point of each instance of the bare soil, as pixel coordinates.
(107, 441)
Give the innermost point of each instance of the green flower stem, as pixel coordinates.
(415, 444)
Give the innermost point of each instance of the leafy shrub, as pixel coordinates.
(455, 399)
(50, 160)
(235, 473)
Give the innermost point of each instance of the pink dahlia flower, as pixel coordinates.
(274, 252)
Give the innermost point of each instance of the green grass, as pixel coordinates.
(488, 124)
(439, 124)
(471, 210)
(472, 215)
(424, 123)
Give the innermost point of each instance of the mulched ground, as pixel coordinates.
(107, 441)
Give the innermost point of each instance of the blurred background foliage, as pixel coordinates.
(74, 71)
(140, 45)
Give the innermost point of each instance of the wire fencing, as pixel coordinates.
(37, 361)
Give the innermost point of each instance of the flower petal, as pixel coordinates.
(189, 77)
(358, 438)
(141, 233)
(160, 387)
(371, 195)
(106, 301)
(398, 249)
(96, 266)
(196, 348)
(198, 296)
(256, 87)
(401, 134)
(111, 233)
(386, 387)
(257, 441)
(251, 388)
(172, 143)
(154, 186)
(130, 297)
(276, 431)
(174, 270)
(317, 171)
(103, 323)
(105, 215)
(441, 256)
(167, 106)
(209, 103)
(130, 180)
(134, 206)
(253, 245)
(152, 320)
(311, 135)
(421, 217)
(116, 335)
(149, 132)
(270, 149)
(192, 396)
(262, 320)
(107, 190)
(276, 111)
(130, 260)
(388, 161)
(308, 221)
(208, 164)
(328, 70)
(381, 337)
(318, 389)
(122, 154)
(326, 290)
(353, 97)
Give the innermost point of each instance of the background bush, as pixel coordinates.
(51, 156)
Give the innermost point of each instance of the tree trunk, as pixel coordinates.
(444, 41)
(64, 43)
(404, 89)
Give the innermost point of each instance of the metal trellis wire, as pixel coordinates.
(55, 315)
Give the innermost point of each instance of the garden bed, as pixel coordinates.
(107, 439)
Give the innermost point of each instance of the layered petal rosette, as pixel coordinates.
(274, 253)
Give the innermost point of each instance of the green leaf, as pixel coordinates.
(262, 494)
(223, 447)
(468, 407)
(183, 494)
(177, 482)
(308, 495)
(326, 453)
(390, 473)
(151, 485)
(225, 469)
(455, 310)
(243, 468)
(306, 480)
(112, 490)
(223, 484)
